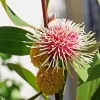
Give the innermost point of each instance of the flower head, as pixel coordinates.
(38, 60)
(49, 81)
(65, 40)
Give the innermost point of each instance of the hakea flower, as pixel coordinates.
(64, 41)
(37, 61)
(51, 81)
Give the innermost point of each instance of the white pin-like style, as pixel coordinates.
(64, 40)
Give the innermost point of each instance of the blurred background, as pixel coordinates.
(12, 86)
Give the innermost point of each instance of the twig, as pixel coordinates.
(45, 15)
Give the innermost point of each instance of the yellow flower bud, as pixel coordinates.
(50, 81)
(38, 60)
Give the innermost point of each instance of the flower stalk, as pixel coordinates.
(45, 14)
(46, 20)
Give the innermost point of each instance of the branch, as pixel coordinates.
(45, 15)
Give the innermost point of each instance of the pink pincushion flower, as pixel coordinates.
(64, 40)
(59, 41)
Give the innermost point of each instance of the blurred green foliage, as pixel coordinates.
(9, 89)
(98, 1)
(1, 98)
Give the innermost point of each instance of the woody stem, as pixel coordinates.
(45, 18)
(45, 14)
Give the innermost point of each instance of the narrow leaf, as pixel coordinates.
(11, 41)
(26, 75)
(13, 17)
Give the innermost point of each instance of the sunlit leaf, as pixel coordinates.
(87, 72)
(86, 90)
(82, 71)
(14, 18)
(26, 75)
(11, 41)
(93, 71)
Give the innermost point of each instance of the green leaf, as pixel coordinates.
(82, 71)
(5, 56)
(47, 1)
(87, 72)
(35, 96)
(26, 75)
(95, 70)
(13, 17)
(95, 73)
(11, 41)
(96, 95)
(86, 90)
